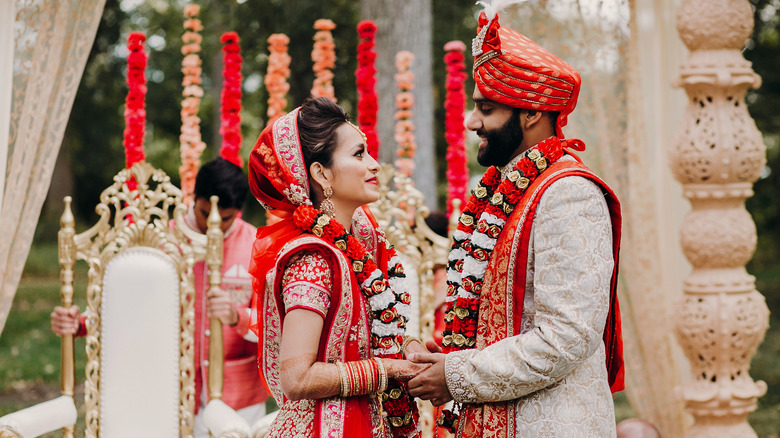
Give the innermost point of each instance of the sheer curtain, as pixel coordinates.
(51, 40)
(628, 54)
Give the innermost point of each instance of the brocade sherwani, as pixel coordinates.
(551, 376)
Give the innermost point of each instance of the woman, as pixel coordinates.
(329, 313)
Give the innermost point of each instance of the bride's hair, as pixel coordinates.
(318, 120)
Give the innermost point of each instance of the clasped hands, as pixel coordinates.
(428, 383)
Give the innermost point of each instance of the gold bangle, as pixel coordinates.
(345, 386)
(382, 375)
(407, 341)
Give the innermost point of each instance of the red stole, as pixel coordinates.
(501, 304)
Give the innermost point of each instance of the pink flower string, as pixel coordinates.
(230, 100)
(324, 56)
(365, 75)
(191, 145)
(455, 131)
(404, 101)
(135, 112)
(276, 76)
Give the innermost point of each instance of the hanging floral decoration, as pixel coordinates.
(276, 76)
(454, 126)
(404, 101)
(191, 145)
(230, 111)
(324, 56)
(365, 75)
(135, 112)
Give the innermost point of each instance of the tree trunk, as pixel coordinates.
(405, 25)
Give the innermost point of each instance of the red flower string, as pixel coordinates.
(135, 112)
(365, 75)
(276, 77)
(404, 101)
(230, 111)
(324, 56)
(454, 126)
(191, 144)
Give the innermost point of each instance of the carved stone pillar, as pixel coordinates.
(717, 156)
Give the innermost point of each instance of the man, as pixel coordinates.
(532, 336)
(242, 390)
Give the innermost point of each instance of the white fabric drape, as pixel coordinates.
(628, 56)
(6, 83)
(52, 41)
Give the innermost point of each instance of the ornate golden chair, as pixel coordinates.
(140, 318)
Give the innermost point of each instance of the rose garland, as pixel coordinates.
(390, 307)
(479, 226)
(324, 56)
(191, 144)
(135, 112)
(404, 101)
(276, 76)
(230, 111)
(454, 127)
(365, 75)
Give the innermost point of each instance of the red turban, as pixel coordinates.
(515, 71)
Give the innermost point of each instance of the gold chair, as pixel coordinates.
(140, 377)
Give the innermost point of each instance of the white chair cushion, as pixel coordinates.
(42, 418)
(139, 376)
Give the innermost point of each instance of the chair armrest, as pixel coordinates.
(261, 426)
(223, 421)
(40, 419)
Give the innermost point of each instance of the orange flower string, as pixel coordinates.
(135, 111)
(324, 56)
(191, 145)
(276, 76)
(230, 109)
(404, 101)
(454, 123)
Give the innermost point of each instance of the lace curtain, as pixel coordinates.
(49, 41)
(628, 53)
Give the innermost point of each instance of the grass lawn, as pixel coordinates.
(30, 352)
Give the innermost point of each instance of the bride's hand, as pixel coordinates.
(403, 370)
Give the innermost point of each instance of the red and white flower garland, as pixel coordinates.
(191, 145)
(365, 75)
(135, 112)
(404, 101)
(454, 126)
(390, 307)
(230, 111)
(324, 56)
(480, 224)
(276, 76)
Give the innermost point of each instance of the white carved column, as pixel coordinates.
(717, 156)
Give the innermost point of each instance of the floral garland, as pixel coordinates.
(135, 113)
(276, 76)
(404, 101)
(368, 101)
(390, 310)
(191, 144)
(324, 56)
(454, 126)
(479, 226)
(230, 112)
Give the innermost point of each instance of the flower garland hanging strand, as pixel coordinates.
(365, 75)
(135, 112)
(191, 145)
(276, 76)
(454, 123)
(230, 111)
(324, 56)
(404, 101)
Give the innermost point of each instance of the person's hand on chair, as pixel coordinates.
(65, 321)
(220, 305)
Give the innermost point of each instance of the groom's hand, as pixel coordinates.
(430, 384)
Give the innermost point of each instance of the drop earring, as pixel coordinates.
(326, 206)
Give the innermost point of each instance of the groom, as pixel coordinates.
(532, 345)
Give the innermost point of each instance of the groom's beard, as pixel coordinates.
(501, 142)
